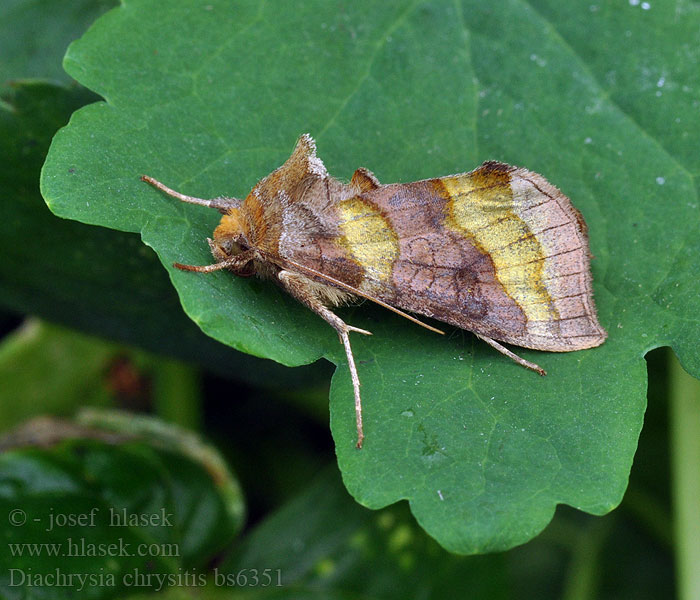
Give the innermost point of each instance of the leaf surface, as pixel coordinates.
(99, 280)
(209, 97)
(322, 544)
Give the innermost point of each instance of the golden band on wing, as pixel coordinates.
(369, 238)
(477, 211)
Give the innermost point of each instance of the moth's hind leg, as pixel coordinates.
(307, 293)
(503, 350)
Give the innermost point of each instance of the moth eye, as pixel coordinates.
(222, 248)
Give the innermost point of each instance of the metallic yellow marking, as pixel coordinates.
(369, 238)
(485, 212)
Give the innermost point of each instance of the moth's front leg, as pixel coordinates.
(236, 262)
(304, 290)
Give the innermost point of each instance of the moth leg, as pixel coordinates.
(300, 287)
(503, 350)
(235, 263)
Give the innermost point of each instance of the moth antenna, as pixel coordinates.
(360, 293)
(223, 205)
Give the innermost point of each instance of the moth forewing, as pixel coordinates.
(498, 251)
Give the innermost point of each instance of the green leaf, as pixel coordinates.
(209, 97)
(321, 544)
(67, 272)
(68, 284)
(109, 509)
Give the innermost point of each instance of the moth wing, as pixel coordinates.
(498, 251)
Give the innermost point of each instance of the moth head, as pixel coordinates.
(229, 238)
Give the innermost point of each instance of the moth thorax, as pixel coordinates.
(230, 226)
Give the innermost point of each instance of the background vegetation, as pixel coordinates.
(600, 98)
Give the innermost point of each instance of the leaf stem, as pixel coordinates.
(583, 579)
(684, 398)
(177, 393)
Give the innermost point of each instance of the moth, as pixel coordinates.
(497, 251)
